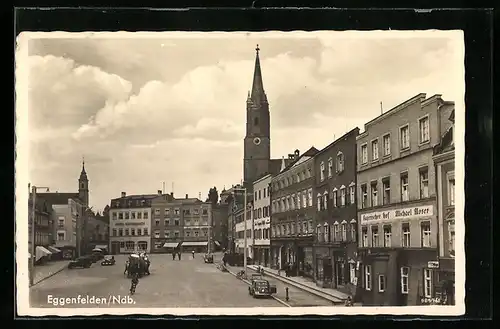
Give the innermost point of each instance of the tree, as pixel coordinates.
(213, 196)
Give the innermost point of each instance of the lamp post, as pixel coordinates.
(244, 190)
(33, 230)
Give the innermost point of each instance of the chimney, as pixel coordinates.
(124, 194)
(297, 153)
(160, 192)
(172, 194)
(187, 196)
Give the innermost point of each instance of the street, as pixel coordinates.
(185, 283)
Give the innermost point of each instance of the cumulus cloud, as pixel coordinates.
(143, 113)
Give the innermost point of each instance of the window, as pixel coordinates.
(167, 212)
(176, 234)
(344, 231)
(120, 232)
(352, 273)
(310, 197)
(336, 234)
(451, 238)
(364, 154)
(425, 229)
(114, 232)
(145, 231)
(132, 215)
(423, 126)
(196, 211)
(364, 196)
(176, 211)
(167, 222)
(157, 222)
(157, 234)
(387, 236)
(342, 196)
(352, 192)
(325, 200)
(187, 222)
(404, 187)
(428, 283)
(132, 231)
(364, 241)
(176, 222)
(375, 236)
(298, 200)
(139, 231)
(139, 215)
(188, 234)
(386, 186)
(406, 234)
(157, 211)
(424, 182)
(340, 162)
(114, 215)
(322, 171)
(145, 215)
(330, 167)
(381, 283)
(334, 197)
(60, 222)
(126, 232)
(374, 190)
(368, 277)
(405, 272)
(196, 233)
(304, 199)
(375, 150)
(404, 137)
(451, 191)
(386, 140)
(61, 236)
(120, 215)
(205, 211)
(353, 231)
(326, 233)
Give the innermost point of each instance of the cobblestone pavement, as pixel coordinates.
(185, 283)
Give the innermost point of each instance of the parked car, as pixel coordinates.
(83, 262)
(260, 287)
(108, 261)
(209, 258)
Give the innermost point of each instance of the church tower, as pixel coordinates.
(257, 144)
(83, 186)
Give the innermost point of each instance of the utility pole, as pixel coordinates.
(33, 233)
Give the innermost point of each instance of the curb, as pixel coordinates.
(50, 275)
(305, 288)
(248, 282)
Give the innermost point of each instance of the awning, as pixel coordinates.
(53, 249)
(101, 246)
(40, 252)
(194, 243)
(171, 245)
(217, 243)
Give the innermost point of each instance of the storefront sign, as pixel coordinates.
(130, 224)
(433, 264)
(405, 213)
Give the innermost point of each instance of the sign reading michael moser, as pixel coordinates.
(404, 213)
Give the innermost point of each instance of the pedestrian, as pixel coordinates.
(192, 252)
(173, 255)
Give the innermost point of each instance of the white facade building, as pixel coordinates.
(262, 220)
(130, 224)
(68, 223)
(240, 233)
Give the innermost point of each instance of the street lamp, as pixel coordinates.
(244, 190)
(33, 234)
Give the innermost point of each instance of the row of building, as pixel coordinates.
(371, 214)
(158, 223)
(65, 226)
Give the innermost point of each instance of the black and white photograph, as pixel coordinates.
(240, 173)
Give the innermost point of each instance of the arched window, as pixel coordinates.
(256, 121)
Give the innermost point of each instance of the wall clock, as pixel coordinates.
(256, 140)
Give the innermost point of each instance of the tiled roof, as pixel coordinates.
(137, 197)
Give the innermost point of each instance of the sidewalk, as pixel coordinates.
(304, 284)
(45, 271)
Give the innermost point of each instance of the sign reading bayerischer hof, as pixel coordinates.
(403, 213)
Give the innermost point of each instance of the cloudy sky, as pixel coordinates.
(171, 108)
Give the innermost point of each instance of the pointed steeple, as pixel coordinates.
(258, 95)
(83, 174)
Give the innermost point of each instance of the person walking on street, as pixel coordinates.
(192, 252)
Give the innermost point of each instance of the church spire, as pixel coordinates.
(83, 174)
(257, 95)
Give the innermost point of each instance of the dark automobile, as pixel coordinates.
(108, 261)
(83, 262)
(261, 288)
(209, 258)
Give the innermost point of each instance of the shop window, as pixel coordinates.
(405, 273)
(368, 277)
(381, 283)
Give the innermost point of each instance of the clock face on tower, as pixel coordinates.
(256, 140)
